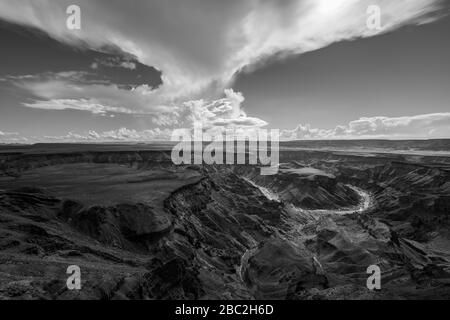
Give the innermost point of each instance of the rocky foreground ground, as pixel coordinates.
(141, 228)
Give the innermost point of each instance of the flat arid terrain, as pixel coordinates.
(140, 227)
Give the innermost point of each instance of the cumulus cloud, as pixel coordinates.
(4, 134)
(11, 137)
(72, 90)
(224, 112)
(118, 135)
(200, 45)
(425, 126)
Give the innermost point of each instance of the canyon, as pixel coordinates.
(140, 227)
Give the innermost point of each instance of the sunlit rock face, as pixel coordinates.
(305, 187)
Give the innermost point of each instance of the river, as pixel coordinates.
(364, 204)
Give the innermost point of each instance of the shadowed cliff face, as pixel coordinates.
(141, 228)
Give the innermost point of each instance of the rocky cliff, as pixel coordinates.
(197, 232)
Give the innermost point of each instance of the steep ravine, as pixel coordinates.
(336, 246)
(220, 236)
(283, 256)
(304, 187)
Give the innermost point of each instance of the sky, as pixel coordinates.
(313, 69)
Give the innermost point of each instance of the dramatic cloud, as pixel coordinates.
(425, 126)
(225, 112)
(200, 45)
(73, 90)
